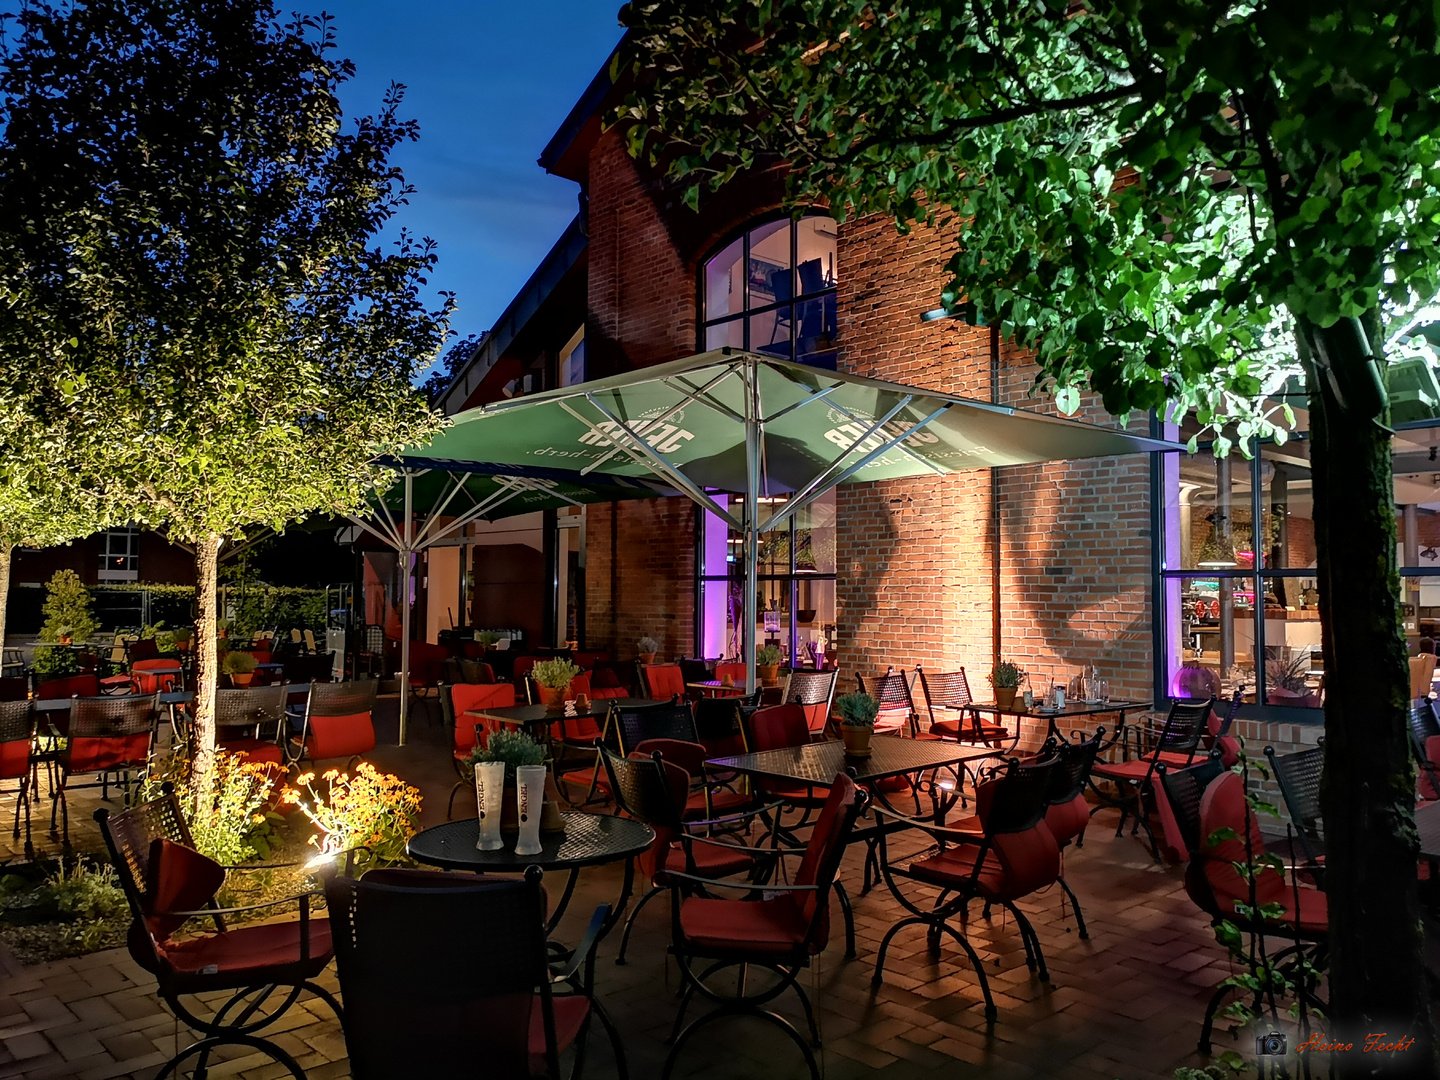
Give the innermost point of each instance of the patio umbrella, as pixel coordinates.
(425, 504)
(755, 426)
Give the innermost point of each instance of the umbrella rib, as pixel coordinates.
(936, 469)
(817, 396)
(805, 498)
(434, 515)
(693, 396)
(363, 524)
(701, 394)
(647, 455)
(512, 488)
(390, 520)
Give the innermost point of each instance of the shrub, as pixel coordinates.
(1005, 675)
(238, 663)
(857, 710)
(514, 748)
(373, 810)
(554, 674)
(67, 609)
(767, 656)
(57, 663)
(230, 824)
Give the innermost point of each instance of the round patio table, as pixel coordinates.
(588, 840)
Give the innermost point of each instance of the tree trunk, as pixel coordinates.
(6, 554)
(1377, 973)
(207, 656)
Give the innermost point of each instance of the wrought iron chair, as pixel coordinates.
(1298, 776)
(949, 692)
(251, 721)
(1013, 856)
(897, 706)
(103, 735)
(1213, 818)
(1424, 727)
(779, 932)
(168, 883)
(635, 724)
(1175, 745)
(815, 691)
(1217, 729)
(469, 731)
(17, 734)
(337, 721)
(468, 1003)
(655, 789)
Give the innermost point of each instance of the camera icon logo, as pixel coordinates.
(1272, 1044)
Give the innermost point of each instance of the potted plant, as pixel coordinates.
(222, 628)
(1005, 678)
(513, 749)
(767, 664)
(857, 722)
(488, 639)
(552, 678)
(183, 638)
(647, 647)
(240, 666)
(68, 617)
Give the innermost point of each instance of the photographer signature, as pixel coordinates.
(1372, 1044)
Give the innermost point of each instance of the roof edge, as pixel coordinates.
(589, 103)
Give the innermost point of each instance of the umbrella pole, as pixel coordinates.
(406, 551)
(752, 531)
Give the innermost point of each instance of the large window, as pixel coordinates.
(119, 555)
(795, 593)
(1240, 604)
(772, 290)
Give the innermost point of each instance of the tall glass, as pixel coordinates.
(530, 797)
(489, 802)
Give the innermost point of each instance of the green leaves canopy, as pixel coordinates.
(193, 289)
(1150, 192)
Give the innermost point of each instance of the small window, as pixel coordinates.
(120, 555)
(572, 359)
(772, 291)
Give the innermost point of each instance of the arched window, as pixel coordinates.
(772, 290)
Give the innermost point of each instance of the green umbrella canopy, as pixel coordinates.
(685, 422)
(451, 496)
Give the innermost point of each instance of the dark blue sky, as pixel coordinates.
(489, 83)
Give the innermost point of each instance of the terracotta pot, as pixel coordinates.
(769, 673)
(857, 740)
(553, 698)
(647, 658)
(1005, 697)
(242, 678)
(65, 639)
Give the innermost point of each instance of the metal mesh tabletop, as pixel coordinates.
(542, 714)
(588, 840)
(818, 763)
(1072, 708)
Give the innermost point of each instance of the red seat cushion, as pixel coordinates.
(1173, 759)
(1135, 771)
(793, 793)
(580, 778)
(722, 803)
(261, 751)
(242, 956)
(664, 681)
(570, 1012)
(340, 736)
(177, 878)
(762, 926)
(467, 696)
(965, 729)
(110, 752)
(14, 759)
(1016, 865)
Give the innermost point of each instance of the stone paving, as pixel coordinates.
(1126, 1003)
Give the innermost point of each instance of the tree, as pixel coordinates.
(455, 358)
(1169, 203)
(194, 287)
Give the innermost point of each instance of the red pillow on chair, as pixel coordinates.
(605, 679)
(177, 878)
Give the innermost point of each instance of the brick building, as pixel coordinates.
(1146, 568)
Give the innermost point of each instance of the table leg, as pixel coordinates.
(617, 912)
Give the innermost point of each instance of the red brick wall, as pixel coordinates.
(650, 588)
(917, 557)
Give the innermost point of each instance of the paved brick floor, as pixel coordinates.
(1126, 1003)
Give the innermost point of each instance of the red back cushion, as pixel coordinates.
(580, 684)
(74, 686)
(735, 671)
(1223, 806)
(110, 752)
(1068, 820)
(1432, 755)
(177, 878)
(664, 681)
(14, 759)
(341, 736)
(599, 693)
(824, 839)
(466, 696)
(1229, 747)
(1030, 859)
(605, 679)
(778, 727)
(155, 676)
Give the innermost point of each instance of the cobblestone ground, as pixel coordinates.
(1125, 1003)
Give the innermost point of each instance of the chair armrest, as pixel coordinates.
(746, 886)
(741, 847)
(940, 832)
(586, 946)
(206, 912)
(745, 815)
